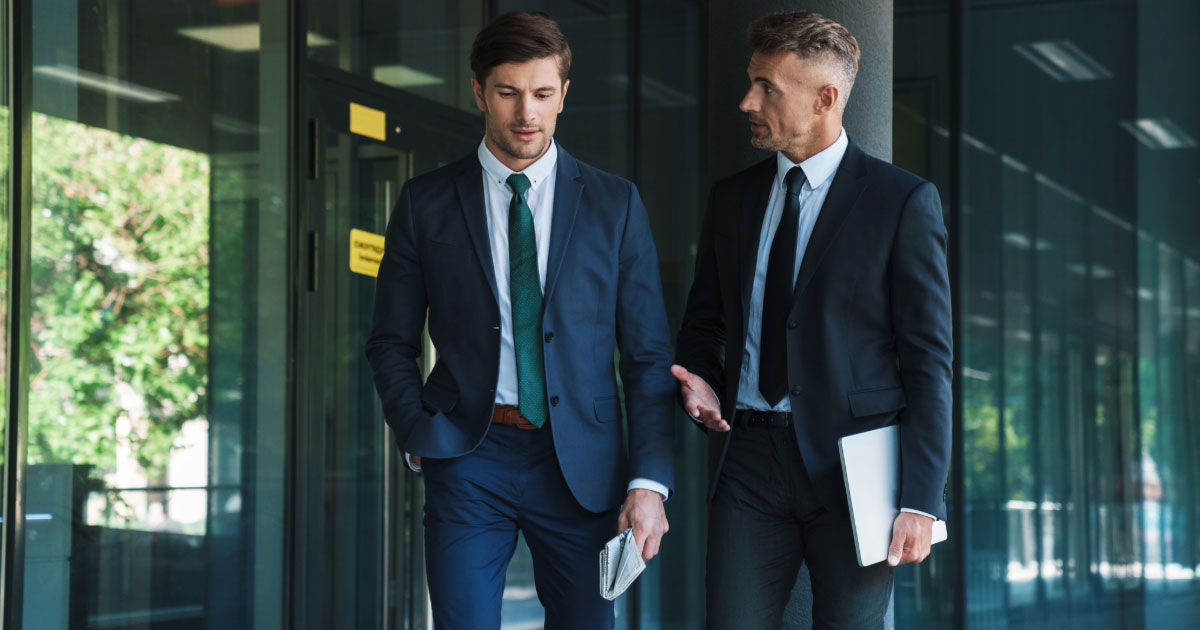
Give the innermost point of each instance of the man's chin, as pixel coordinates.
(760, 142)
(525, 150)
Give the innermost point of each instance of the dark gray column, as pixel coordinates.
(869, 112)
(868, 118)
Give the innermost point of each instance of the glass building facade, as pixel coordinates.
(189, 434)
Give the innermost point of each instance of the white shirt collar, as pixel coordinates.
(819, 168)
(537, 172)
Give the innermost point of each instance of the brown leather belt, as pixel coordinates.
(510, 415)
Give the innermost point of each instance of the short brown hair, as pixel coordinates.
(517, 37)
(809, 35)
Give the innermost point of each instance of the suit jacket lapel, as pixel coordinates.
(750, 218)
(848, 184)
(568, 188)
(469, 183)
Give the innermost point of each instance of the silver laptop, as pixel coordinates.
(871, 468)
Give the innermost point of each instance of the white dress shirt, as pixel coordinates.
(540, 197)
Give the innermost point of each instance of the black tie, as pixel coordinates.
(777, 295)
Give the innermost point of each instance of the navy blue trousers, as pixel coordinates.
(474, 506)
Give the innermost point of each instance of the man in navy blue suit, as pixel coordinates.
(820, 308)
(530, 269)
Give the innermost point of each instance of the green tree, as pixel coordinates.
(120, 288)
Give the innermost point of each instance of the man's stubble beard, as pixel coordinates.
(517, 151)
(769, 142)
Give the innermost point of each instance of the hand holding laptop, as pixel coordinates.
(912, 537)
(871, 470)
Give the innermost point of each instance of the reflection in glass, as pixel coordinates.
(143, 458)
(419, 47)
(1078, 280)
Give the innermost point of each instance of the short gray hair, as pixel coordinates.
(809, 35)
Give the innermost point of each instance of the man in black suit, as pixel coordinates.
(820, 308)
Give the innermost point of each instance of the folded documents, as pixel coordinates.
(871, 469)
(620, 564)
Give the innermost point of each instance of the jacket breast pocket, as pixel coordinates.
(448, 245)
(876, 401)
(437, 396)
(607, 409)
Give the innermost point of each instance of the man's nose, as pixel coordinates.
(749, 103)
(525, 110)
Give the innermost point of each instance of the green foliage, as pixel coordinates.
(120, 288)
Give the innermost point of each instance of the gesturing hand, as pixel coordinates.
(643, 510)
(698, 399)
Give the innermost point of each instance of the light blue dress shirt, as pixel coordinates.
(818, 173)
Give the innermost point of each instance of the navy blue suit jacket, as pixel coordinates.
(602, 292)
(868, 336)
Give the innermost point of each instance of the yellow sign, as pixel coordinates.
(368, 122)
(366, 252)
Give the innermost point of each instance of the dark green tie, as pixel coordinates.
(525, 292)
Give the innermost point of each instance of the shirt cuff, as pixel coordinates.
(647, 484)
(910, 511)
(411, 466)
(694, 418)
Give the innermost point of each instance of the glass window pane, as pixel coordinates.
(156, 366)
(5, 148)
(420, 47)
(1078, 279)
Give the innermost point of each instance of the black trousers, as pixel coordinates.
(766, 521)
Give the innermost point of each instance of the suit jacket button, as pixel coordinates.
(554, 401)
(549, 337)
(796, 391)
(793, 324)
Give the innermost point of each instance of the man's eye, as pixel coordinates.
(506, 94)
(768, 89)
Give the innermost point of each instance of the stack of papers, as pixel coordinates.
(620, 564)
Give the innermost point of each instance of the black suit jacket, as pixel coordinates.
(869, 332)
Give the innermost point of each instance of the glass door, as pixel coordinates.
(358, 540)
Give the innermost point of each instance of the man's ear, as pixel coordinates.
(563, 99)
(827, 99)
(477, 88)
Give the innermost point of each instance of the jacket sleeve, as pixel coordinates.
(399, 320)
(701, 341)
(921, 322)
(643, 339)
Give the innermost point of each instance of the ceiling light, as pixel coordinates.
(102, 83)
(403, 76)
(978, 375)
(1063, 61)
(229, 124)
(1020, 241)
(1159, 133)
(978, 144)
(239, 37)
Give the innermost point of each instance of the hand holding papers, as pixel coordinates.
(620, 564)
